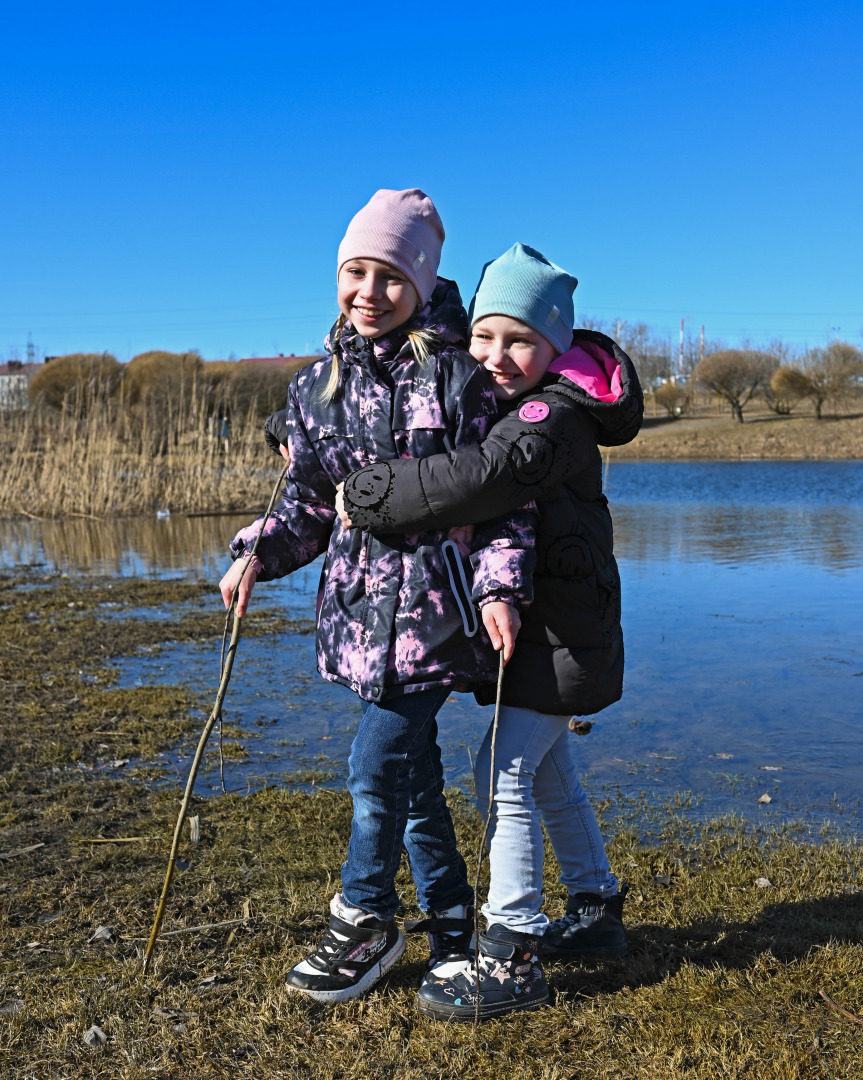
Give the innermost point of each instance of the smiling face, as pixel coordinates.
(515, 355)
(375, 296)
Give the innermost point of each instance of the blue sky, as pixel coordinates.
(179, 176)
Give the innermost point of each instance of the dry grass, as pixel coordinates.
(722, 980)
(137, 461)
(124, 462)
(708, 433)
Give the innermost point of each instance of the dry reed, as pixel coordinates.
(96, 458)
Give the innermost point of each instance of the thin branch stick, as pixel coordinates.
(842, 1012)
(20, 851)
(227, 665)
(483, 840)
(196, 929)
(113, 839)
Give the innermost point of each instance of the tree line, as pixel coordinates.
(162, 383)
(781, 377)
(164, 386)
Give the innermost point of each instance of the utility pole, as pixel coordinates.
(31, 350)
(701, 350)
(680, 357)
(617, 333)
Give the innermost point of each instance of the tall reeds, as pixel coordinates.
(96, 456)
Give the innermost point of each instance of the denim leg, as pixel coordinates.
(393, 761)
(571, 823)
(531, 758)
(438, 869)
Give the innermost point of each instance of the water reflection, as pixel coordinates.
(727, 513)
(742, 601)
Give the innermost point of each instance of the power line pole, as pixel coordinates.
(680, 357)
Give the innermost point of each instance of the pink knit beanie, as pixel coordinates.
(401, 228)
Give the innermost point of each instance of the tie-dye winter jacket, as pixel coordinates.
(569, 654)
(396, 613)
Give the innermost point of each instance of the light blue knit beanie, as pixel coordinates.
(524, 285)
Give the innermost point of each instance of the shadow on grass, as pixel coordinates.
(786, 930)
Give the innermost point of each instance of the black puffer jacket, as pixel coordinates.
(569, 653)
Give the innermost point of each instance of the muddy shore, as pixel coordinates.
(722, 980)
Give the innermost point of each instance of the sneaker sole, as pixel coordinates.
(363, 986)
(440, 1011)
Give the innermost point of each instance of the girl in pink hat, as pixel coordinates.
(397, 618)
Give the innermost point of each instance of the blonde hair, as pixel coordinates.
(421, 343)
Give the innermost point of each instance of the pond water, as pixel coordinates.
(743, 595)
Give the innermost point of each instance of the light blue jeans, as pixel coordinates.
(535, 774)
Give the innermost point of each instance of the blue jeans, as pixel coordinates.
(395, 778)
(535, 773)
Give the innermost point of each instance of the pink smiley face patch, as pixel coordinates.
(533, 411)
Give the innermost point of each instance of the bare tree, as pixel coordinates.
(735, 374)
(788, 386)
(832, 371)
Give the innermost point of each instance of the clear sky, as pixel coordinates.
(179, 175)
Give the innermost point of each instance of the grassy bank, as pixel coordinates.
(723, 979)
(708, 434)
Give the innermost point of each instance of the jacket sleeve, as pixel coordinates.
(517, 462)
(504, 558)
(299, 528)
(502, 547)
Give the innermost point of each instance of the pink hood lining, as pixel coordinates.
(589, 366)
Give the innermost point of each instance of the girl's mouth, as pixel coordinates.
(369, 313)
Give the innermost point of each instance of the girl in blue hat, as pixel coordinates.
(562, 395)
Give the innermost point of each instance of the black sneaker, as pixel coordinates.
(510, 979)
(449, 933)
(591, 928)
(351, 957)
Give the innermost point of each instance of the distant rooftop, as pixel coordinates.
(16, 367)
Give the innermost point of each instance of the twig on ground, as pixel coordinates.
(196, 929)
(20, 851)
(842, 1012)
(112, 839)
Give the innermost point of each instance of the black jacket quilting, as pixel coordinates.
(569, 654)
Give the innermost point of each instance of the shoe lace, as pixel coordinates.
(330, 950)
(565, 921)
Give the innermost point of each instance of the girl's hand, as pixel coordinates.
(340, 507)
(229, 583)
(503, 622)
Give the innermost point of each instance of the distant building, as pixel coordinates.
(15, 376)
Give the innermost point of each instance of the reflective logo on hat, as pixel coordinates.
(533, 411)
(419, 260)
(555, 311)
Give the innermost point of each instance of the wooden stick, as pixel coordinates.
(227, 665)
(195, 929)
(20, 851)
(843, 1012)
(113, 839)
(483, 839)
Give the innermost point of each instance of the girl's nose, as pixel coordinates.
(373, 285)
(497, 353)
